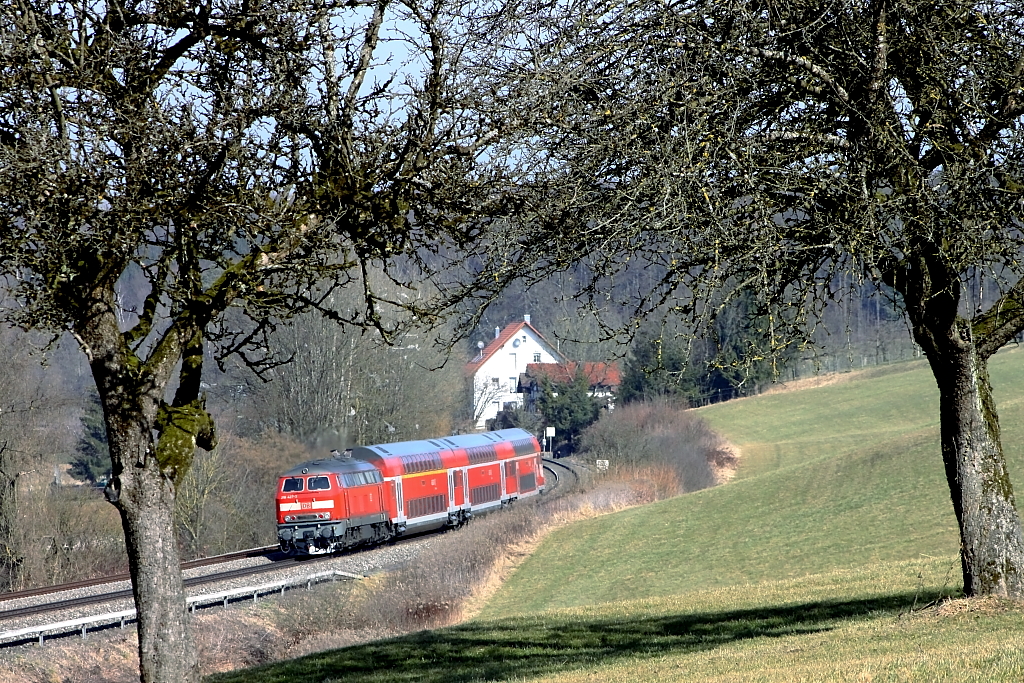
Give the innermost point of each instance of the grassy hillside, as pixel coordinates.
(814, 564)
(839, 476)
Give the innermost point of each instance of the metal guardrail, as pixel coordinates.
(110, 618)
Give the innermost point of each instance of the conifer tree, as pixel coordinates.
(569, 408)
(92, 458)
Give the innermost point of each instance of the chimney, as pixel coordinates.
(497, 332)
(526, 318)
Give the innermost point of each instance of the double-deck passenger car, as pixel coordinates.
(375, 493)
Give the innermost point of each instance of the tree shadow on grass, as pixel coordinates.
(525, 647)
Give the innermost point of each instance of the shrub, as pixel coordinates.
(659, 445)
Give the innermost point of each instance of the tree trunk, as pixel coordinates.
(991, 545)
(167, 650)
(144, 494)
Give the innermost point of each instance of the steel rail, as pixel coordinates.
(283, 563)
(114, 578)
(558, 480)
(17, 636)
(81, 601)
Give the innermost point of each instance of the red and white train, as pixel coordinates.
(383, 491)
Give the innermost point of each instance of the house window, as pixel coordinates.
(512, 382)
(495, 381)
(536, 358)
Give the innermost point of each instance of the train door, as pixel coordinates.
(346, 505)
(399, 502)
(511, 485)
(458, 492)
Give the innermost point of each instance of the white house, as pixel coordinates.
(495, 370)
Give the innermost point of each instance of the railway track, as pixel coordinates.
(110, 596)
(565, 477)
(279, 563)
(114, 578)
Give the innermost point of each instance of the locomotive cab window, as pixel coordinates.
(292, 484)
(319, 483)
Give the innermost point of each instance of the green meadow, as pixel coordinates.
(831, 556)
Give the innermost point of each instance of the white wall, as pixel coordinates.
(495, 381)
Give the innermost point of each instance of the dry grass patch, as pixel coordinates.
(110, 657)
(983, 606)
(812, 382)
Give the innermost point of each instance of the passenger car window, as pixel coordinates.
(319, 483)
(292, 484)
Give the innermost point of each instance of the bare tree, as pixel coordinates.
(203, 481)
(11, 552)
(485, 391)
(773, 148)
(164, 162)
(346, 386)
(39, 416)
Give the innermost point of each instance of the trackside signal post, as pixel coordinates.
(549, 434)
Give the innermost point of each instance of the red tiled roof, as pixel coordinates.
(503, 337)
(597, 374)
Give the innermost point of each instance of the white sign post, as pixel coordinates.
(549, 434)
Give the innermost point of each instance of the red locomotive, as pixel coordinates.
(379, 492)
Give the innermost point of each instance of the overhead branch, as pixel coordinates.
(881, 57)
(238, 280)
(802, 62)
(365, 58)
(157, 284)
(1003, 321)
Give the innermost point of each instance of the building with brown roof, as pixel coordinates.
(506, 373)
(496, 368)
(603, 379)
